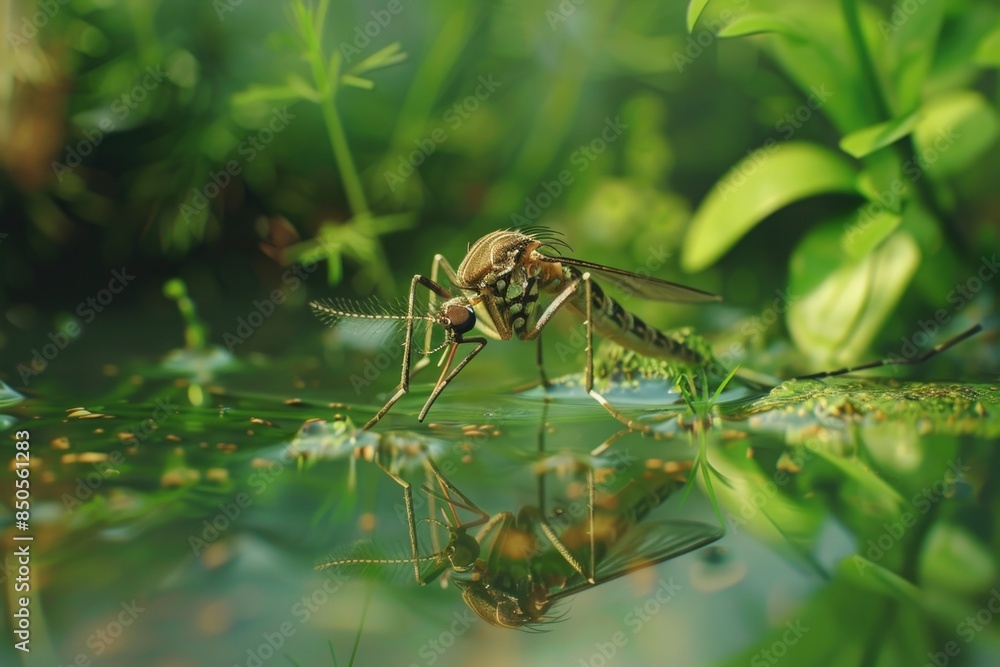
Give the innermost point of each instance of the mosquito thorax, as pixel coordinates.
(493, 256)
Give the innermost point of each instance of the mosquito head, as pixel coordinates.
(457, 315)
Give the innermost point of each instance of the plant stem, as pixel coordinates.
(335, 129)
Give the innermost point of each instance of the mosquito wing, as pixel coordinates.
(642, 286)
(644, 545)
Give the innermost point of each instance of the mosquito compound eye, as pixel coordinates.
(462, 318)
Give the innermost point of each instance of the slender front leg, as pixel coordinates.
(410, 519)
(404, 379)
(480, 344)
(440, 264)
(589, 371)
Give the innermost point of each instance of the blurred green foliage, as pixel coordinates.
(841, 152)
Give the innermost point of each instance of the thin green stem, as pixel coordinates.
(335, 129)
(361, 627)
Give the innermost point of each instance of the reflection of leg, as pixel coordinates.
(541, 455)
(541, 365)
(404, 379)
(589, 371)
(410, 519)
(554, 540)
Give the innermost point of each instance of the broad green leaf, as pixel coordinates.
(755, 24)
(911, 38)
(695, 8)
(954, 559)
(768, 179)
(954, 129)
(872, 226)
(988, 53)
(870, 139)
(826, 62)
(840, 311)
(8, 396)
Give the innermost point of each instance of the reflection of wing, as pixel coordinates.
(646, 287)
(644, 545)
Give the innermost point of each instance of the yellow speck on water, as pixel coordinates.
(220, 475)
(87, 457)
(173, 438)
(214, 618)
(60, 443)
(654, 464)
(98, 431)
(260, 463)
(109, 370)
(293, 401)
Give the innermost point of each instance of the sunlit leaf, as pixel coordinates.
(386, 57)
(767, 180)
(357, 82)
(870, 139)
(755, 24)
(871, 228)
(954, 559)
(988, 53)
(841, 302)
(694, 10)
(911, 37)
(258, 94)
(953, 130)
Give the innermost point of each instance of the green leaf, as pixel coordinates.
(953, 130)
(258, 94)
(870, 139)
(911, 37)
(954, 559)
(357, 82)
(386, 57)
(756, 24)
(695, 8)
(843, 302)
(770, 178)
(988, 52)
(871, 228)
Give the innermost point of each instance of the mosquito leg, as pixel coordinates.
(480, 344)
(590, 487)
(589, 371)
(439, 265)
(919, 359)
(404, 379)
(411, 519)
(553, 539)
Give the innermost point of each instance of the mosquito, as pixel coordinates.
(499, 282)
(515, 568)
